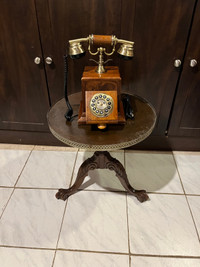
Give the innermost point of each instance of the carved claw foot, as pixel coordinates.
(62, 194)
(141, 195)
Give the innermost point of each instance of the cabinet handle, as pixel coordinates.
(193, 63)
(177, 63)
(37, 60)
(48, 60)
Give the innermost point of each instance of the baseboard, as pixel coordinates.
(169, 143)
(29, 138)
(151, 143)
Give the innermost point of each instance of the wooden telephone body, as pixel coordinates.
(108, 83)
(101, 86)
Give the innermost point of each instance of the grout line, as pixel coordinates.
(5, 186)
(123, 192)
(105, 252)
(7, 203)
(93, 251)
(106, 191)
(129, 249)
(59, 232)
(178, 173)
(24, 166)
(98, 190)
(64, 210)
(16, 183)
(38, 188)
(70, 184)
(175, 194)
(38, 248)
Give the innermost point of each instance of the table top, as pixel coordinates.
(114, 137)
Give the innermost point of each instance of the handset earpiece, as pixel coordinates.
(77, 56)
(125, 51)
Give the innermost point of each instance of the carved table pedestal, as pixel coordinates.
(115, 137)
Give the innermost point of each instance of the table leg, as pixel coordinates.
(102, 160)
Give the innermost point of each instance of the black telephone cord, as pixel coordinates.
(69, 113)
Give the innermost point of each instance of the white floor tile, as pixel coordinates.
(4, 196)
(188, 165)
(95, 221)
(194, 203)
(32, 219)
(152, 171)
(17, 257)
(48, 169)
(163, 262)
(84, 259)
(162, 226)
(11, 164)
(99, 179)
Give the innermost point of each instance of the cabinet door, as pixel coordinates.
(160, 30)
(185, 120)
(23, 90)
(69, 19)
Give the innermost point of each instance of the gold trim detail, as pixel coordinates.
(99, 100)
(103, 147)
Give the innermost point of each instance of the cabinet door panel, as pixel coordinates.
(185, 119)
(160, 33)
(69, 19)
(23, 91)
(158, 28)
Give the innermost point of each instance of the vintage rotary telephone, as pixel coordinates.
(101, 102)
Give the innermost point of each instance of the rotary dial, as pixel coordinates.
(101, 105)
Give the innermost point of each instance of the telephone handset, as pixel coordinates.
(101, 102)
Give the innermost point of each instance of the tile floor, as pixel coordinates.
(100, 225)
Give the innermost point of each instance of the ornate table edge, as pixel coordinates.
(102, 147)
(105, 147)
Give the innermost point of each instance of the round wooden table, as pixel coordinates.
(90, 138)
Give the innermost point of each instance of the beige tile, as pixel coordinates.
(32, 219)
(194, 202)
(162, 226)
(84, 259)
(18, 257)
(95, 221)
(153, 171)
(48, 169)
(164, 262)
(11, 165)
(4, 196)
(188, 165)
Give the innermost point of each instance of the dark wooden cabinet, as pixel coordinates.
(160, 34)
(185, 120)
(23, 91)
(160, 29)
(71, 19)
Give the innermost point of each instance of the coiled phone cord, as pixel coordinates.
(69, 113)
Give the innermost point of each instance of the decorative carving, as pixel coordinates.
(102, 160)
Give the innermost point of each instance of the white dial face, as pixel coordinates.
(101, 105)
